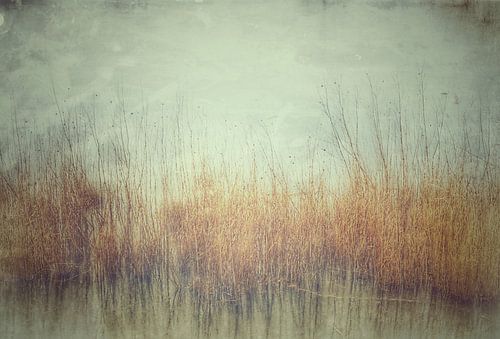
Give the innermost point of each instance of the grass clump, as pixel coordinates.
(403, 218)
(435, 234)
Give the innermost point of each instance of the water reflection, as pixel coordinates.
(337, 306)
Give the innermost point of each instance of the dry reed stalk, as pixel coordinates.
(224, 232)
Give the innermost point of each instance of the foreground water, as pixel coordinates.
(341, 307)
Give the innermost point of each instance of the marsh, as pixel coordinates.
(249, 169)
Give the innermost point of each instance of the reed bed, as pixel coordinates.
(224, 231)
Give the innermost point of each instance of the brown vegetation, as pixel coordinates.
(223, 234)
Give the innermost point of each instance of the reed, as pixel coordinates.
(223, 231)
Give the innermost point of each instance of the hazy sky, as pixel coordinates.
(241, 64)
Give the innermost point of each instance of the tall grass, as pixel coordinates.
(420, 215)
(403, 219)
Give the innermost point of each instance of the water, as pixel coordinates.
(238, 68)
(339, 309)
